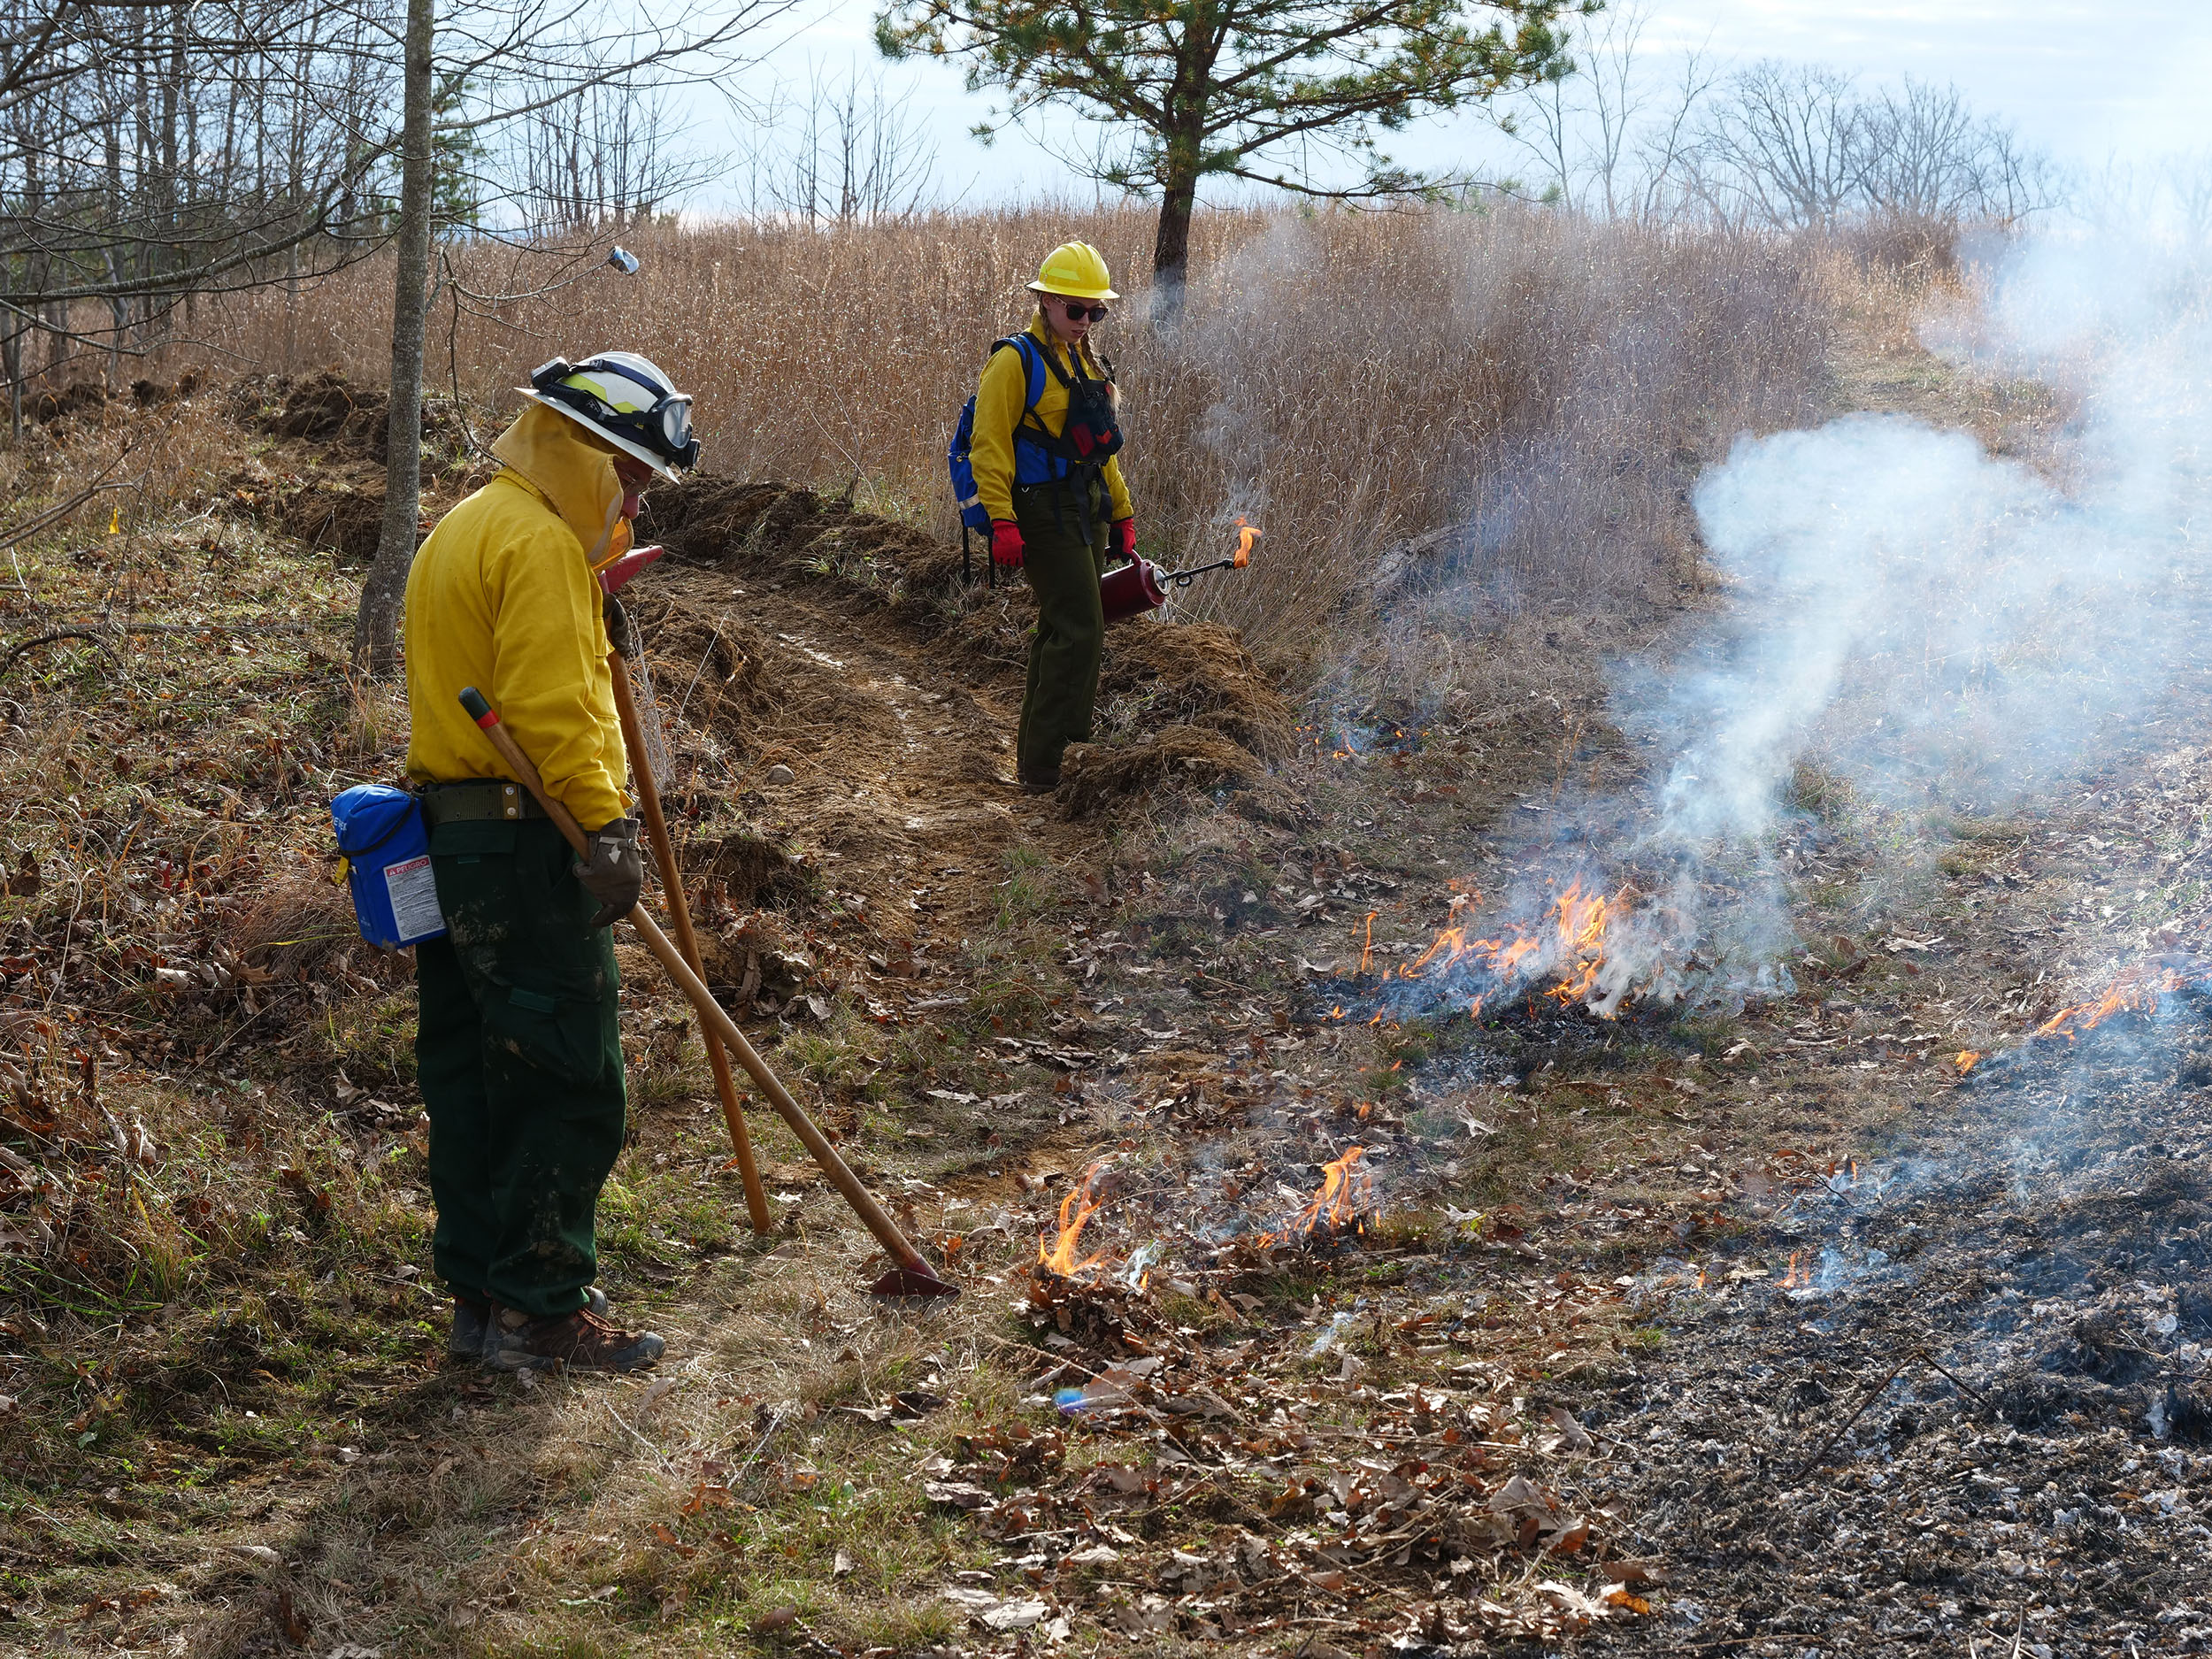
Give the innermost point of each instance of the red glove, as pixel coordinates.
(1006, 544)
(1123, 537)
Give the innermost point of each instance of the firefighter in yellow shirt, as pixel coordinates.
(517, 1048)
(1045, 437)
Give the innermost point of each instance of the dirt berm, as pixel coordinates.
(336, 499)
(1182, 706)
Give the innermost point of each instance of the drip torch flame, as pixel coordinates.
(1076, 1209)
(1346, 1199)
(1246, 536)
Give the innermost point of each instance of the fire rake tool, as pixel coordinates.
(1141, 585)
(911, 1274)
(687, 941)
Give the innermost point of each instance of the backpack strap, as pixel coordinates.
(1075, 361)
(1033, 362)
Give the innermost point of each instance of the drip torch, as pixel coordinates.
(1141, 585)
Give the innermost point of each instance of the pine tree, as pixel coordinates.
(1265, 90)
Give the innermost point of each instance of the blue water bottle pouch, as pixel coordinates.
(387, 850)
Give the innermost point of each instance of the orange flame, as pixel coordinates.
(1346, 1199)
(1966, 1060)
(1246, 536)
(1570, 944)
(1076, 1209)
(1797, 1276)
(2136, 991)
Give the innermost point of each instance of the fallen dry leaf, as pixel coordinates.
(960, 1495)
(1014, 1615)
(295, 1627)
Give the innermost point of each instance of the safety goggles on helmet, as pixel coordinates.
(662, 426)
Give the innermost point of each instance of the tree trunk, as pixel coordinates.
(11, 366)
(376, 629)
(1171, 246)
(291, 297)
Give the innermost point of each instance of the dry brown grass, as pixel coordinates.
(1545, 384)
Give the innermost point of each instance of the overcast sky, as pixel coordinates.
(2084, 82)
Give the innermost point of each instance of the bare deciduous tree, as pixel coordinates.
(1784, 147)
(1775, 145)
(1925, 154)
(1607, 139)
(612, 154)
(152, 154)
(842, 153)
(473, 73)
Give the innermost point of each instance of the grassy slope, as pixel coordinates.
(229, 1414)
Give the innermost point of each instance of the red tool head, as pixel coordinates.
(612, 576)
(918, 1278)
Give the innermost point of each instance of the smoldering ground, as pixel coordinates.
(1919, 628)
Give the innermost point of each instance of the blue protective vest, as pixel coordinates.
(1088, 437)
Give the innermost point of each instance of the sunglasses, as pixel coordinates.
(1077, 313)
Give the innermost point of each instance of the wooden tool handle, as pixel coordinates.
(665, 952)
(680, 919)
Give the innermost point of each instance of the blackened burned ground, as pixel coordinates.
(2003, 1276)
(1987, 1412)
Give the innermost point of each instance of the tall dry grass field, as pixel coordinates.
(1538, 385)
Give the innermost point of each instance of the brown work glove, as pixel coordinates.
(621, 632)
(615, 872)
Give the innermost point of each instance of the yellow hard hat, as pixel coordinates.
(1077, 270)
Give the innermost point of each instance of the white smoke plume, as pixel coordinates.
(1944, 625)
(1932, 627)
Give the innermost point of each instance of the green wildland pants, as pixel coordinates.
(1063, 570)
(520, 1063)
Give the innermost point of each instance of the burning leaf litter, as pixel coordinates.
(2136, 990)
(1568, 950)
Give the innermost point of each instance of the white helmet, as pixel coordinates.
(621, 398)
